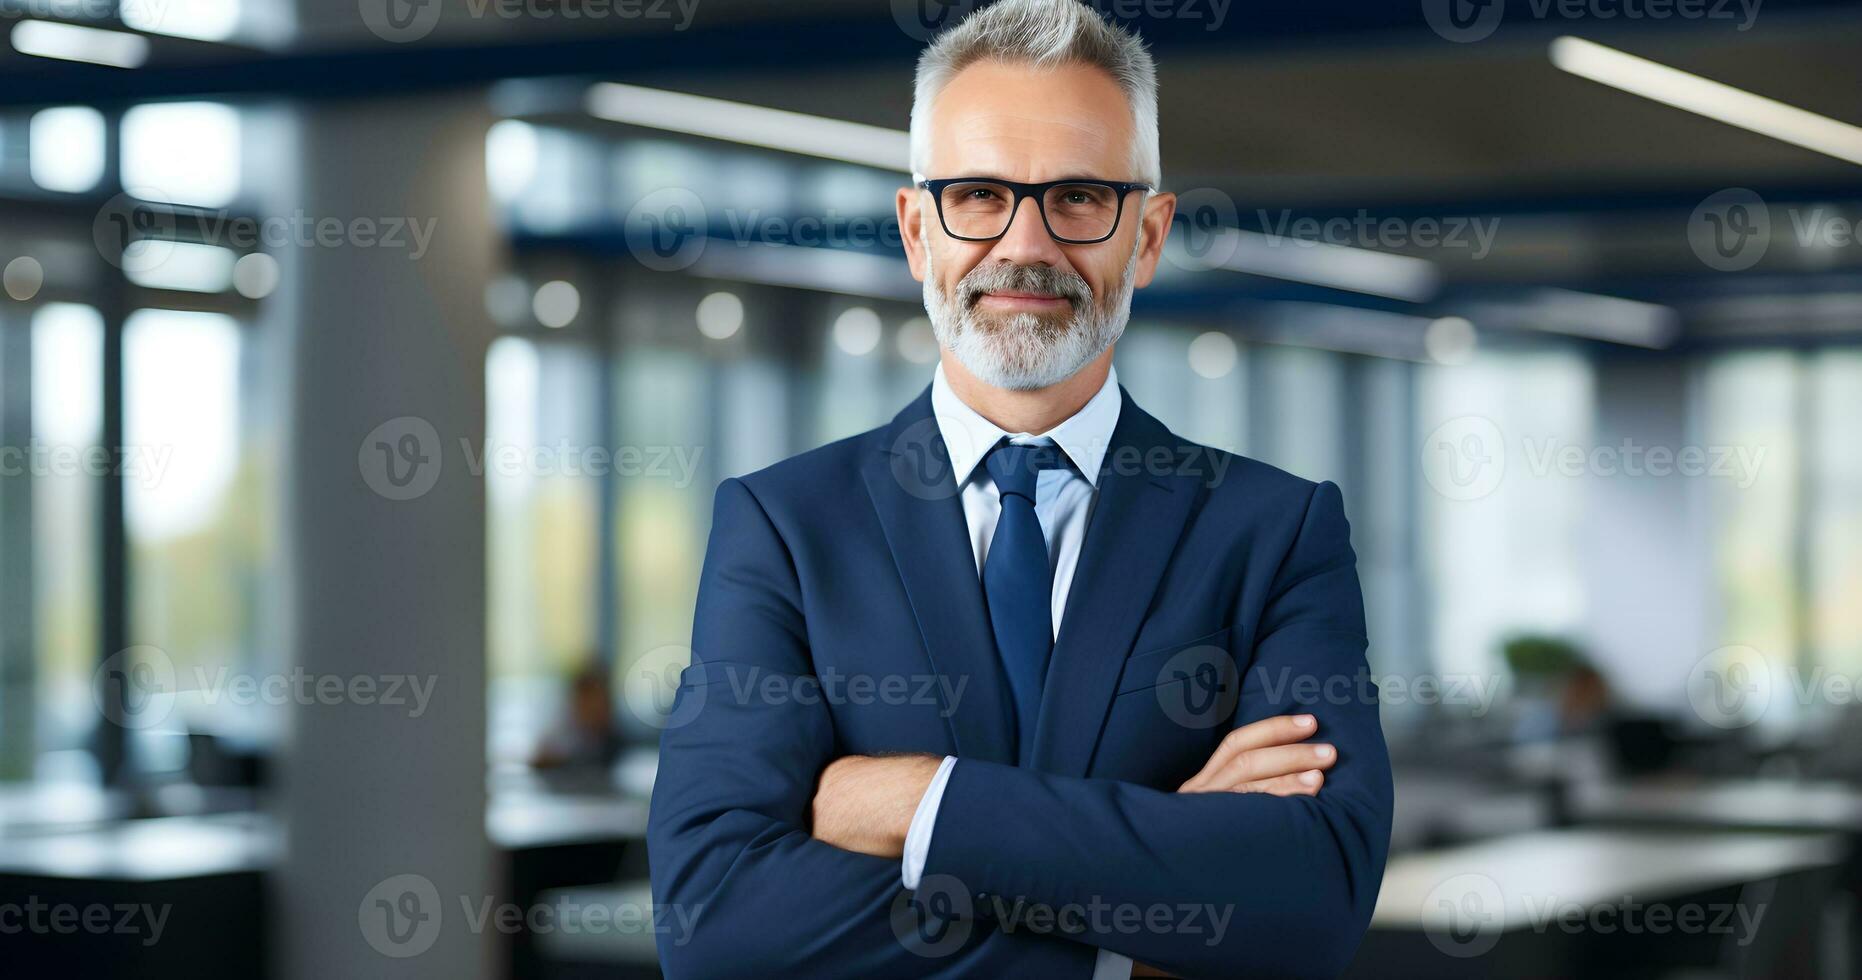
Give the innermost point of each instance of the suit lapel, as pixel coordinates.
(917, 498)
(1136, 521)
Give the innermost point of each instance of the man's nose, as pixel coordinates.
(1027, 241)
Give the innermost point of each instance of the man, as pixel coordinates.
(1022, 684)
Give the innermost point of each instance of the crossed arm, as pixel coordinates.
(1289, 869)
(866, 804)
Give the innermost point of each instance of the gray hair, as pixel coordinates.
(1043, 33)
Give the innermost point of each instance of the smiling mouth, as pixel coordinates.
(1015, 299)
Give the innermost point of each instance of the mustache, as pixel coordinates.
(1039, 279)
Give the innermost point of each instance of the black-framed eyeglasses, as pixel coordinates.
(1076, 211)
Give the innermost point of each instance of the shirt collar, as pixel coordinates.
(1084, 436)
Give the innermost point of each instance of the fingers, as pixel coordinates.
(1261, 765)
(1298, 784)
(1279, 730)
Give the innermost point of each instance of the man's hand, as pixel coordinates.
(865, 803)
(1268, 756)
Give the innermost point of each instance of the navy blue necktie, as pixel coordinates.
(1019, 582)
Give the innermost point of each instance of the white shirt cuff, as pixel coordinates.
(1108, 965)
(918, 835)
(1111, 966)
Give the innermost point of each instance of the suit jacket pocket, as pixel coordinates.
(1177, 662)
(1172, 705)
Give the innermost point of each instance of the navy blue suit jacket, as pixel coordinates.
(840, 613)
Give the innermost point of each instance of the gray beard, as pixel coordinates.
(1026, 351)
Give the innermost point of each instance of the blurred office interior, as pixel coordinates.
(366, 371)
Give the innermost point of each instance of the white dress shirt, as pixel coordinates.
(1063, 500)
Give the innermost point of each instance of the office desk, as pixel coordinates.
(555, 840)
(608, 931)
(41, 807)
(1581, 902)
(1735, 804)
(523, 821)
(171, 897)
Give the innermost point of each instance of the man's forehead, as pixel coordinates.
(1026, 122)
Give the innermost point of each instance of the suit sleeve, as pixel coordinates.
(727, 835)
(1214, 884)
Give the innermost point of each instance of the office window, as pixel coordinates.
(204, 20)
(66, 148)
(543, 462)
(1750, 400)
(1835, 519)
(182, 152)
(1500, 546)
(1301, 405)
(67, 417)
(661, 409)
(198, 490)
(853, 392)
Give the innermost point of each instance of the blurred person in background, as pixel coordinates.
(585, 738)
